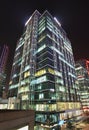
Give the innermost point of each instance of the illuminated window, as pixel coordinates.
(25, 97)
(49, 28)
(41, 30)
(62, 89)
(26, 74)
(14, 86)
(24, 89)
(41, 96)
(10, 82)
(42, 20)
(51, 71)
(41, 48)
(59, 81)
(50, 25)
(40, 72)
(41, 38)
(42, 26)
(58, 73)
(54, 72)
(41, 79)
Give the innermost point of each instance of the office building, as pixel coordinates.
(3, 61)
(43, 72)
(82, 71)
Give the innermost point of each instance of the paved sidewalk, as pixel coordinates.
(81, 125)
(86, 127)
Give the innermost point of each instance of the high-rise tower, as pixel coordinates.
(3, 61)
(43, 72)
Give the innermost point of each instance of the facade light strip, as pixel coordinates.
(57, 21)
(66, 62)
(28, 21)
(53, 48)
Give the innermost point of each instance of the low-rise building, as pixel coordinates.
(82, 71)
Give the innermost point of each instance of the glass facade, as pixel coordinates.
(82, 73)
(43, 73)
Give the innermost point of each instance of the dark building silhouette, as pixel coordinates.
(3, 63)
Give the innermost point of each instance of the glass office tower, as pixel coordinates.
(82, 72)
(43, 73)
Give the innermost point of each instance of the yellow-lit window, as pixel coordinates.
(40, 72)
(51, 71)
(24, 97)
(26, 74)
(41, 38)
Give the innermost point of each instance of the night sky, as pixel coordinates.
(72, 14)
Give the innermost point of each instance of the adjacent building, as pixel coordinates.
(43, 72)
(3, 61)
(82, 71)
